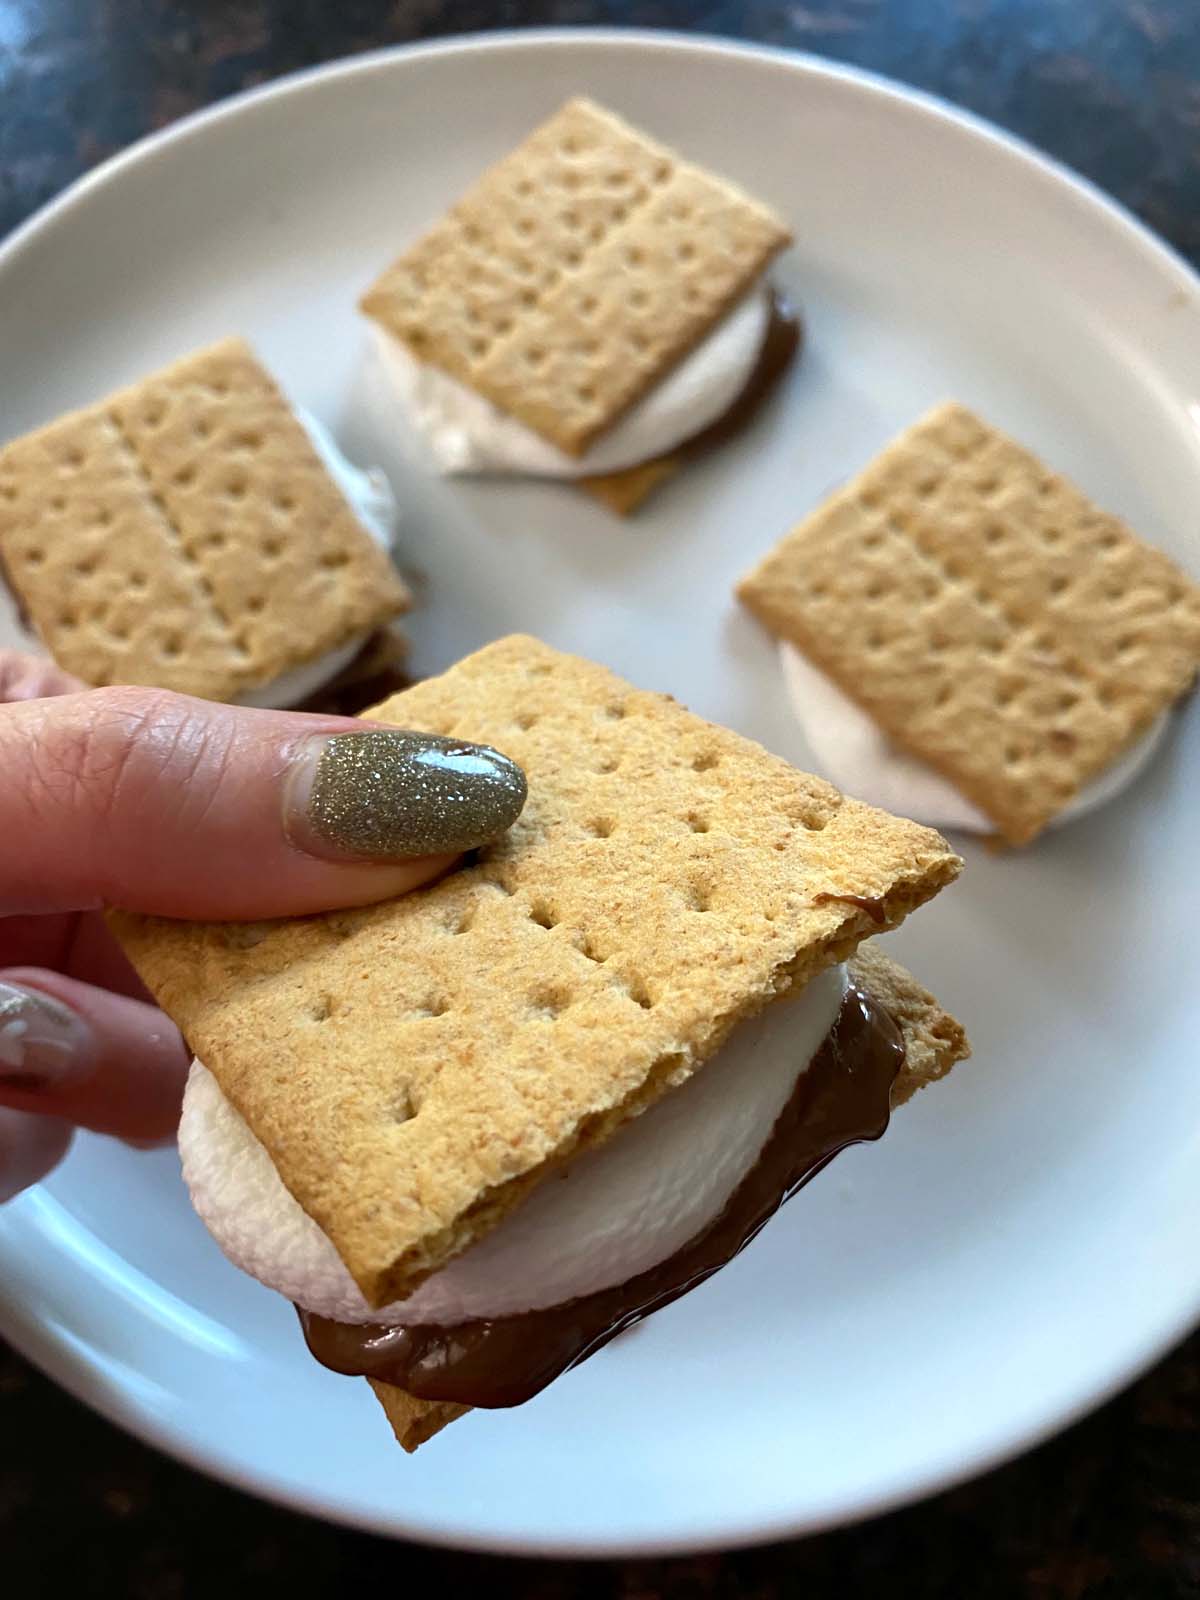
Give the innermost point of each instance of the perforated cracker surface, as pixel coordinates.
(185, 533)
(575, 273)
(990, 618)
(933, 1042)
(413, 1067)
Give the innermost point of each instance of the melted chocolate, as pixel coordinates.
(842, 1099)
(780, 347)
(375, 673)
(874, 908)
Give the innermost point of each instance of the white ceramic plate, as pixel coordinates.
(1025, 1238)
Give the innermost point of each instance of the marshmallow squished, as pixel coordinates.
(465, 433)
(855, 754)
(370, 496)
(617, 1211)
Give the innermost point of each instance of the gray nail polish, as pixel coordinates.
(389, 793)
(42, 1043)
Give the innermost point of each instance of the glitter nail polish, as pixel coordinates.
(389, 793)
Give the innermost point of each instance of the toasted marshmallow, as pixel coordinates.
(854, 753)
(465, 433)
(615, 1212)
(370, 496)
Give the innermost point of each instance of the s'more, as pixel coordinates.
(594, 309)
(195, 532)
(967, 637)
(475, 1132)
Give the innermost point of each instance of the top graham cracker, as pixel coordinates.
(185, 533)
(992, 620)
(576, 273)
(414, 1068)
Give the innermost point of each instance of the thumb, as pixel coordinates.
(159, 803)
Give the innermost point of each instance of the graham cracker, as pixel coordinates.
(933, 1042)
(414, 1068)
(991, 619)
(185, 533)
(626, 491)
(576, 273)
(414, 1421)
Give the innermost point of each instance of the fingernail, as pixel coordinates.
(388, 794)
(42, 1043)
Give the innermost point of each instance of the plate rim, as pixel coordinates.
(669, 40)
(68, 1366)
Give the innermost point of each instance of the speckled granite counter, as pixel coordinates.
(1111, 1510)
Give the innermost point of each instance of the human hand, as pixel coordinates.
(160, 803)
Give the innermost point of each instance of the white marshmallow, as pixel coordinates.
(370, 497)
(854, 753)
(615, 1212)
(367, 489)
(465, 433)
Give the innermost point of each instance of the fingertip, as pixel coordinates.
(28, 677)
(365, 885)
(160, 804)
(127, 1077)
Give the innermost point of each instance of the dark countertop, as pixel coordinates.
(1109, 1511)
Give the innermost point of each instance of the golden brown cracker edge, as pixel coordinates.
(626, 492)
